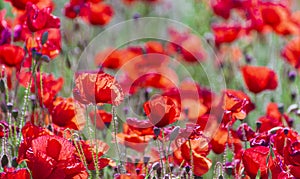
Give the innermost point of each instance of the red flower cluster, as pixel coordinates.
(261, 16)
(95, 12)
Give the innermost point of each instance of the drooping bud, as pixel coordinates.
(4, 161)
(292, 76)
(156, 131)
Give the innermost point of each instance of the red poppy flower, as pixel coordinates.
(292, 156)
(245, 132)
(199, 145)
(11, 173)
(99, 14)
(220, 139)
(277, 16)
(140, 127)
(279, 139)
(236, 105)
(40, 19)
(51, 86)
(11, 55)
(162, 111)
(287, 145)
(21, 4)
(72, 119)
(110, 58)
(258, 78)
(51, 156)
(154, 80)
(154, 47)
(30, 132)
(116, 58)
(222, 7)
(291, 53)
(134, 141)
(273, 15)
(255, 159)
(187, 45)
(103, 118)
(273, 118)
(225, 33)
(97, 88)
(260, 139)
(200, 148)
(194, 100)
(93, 11)
(90, 148)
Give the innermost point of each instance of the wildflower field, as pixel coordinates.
(149, 89)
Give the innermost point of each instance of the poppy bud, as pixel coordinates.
(45, 58)
(248, 58)
(281, 108)
(258, 125)
(15, 113)
(4, 161)
(291, 122)
(137, 170)
(35, 54)
(158, 171)
(229, 169)
(2, 86)
(146, 160)
(155, 166)
(147, 91)
(44, 37)
(9, 106)
(14, 162)
(136, 16)
(116, 169)
(187, 169)
(136, 162)
(292, 76)
(286, 131)
(221, 177)
(50, 128)
(171, 167)
(156, 131)
(126, 110)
